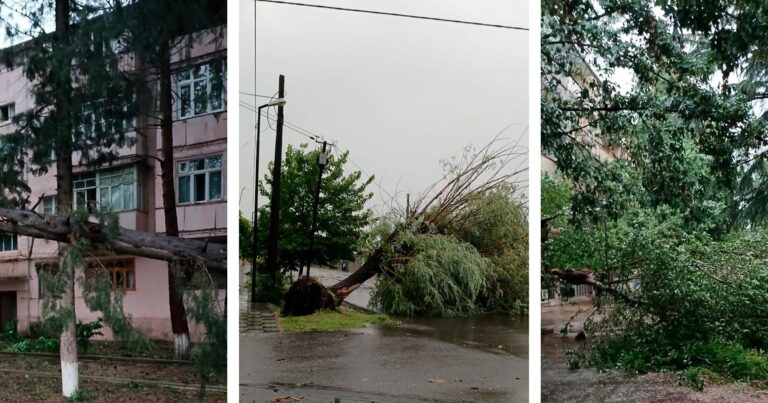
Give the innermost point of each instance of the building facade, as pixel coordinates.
(131, 187)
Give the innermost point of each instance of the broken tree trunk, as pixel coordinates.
(124, 242)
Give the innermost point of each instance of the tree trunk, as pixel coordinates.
(62, 91)
(179, 324)
(370, 268)
(125, 242)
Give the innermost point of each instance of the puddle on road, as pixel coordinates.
(499, 334)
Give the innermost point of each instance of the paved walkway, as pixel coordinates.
(254, 318)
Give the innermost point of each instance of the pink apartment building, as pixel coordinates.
(132, 187)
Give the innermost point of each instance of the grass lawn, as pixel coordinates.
(342, 318)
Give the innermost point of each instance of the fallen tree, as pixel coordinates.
(444, 243)
(111, 239)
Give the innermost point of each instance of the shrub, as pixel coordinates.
(39, 345)
(86, 331)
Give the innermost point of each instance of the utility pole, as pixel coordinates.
(255, 170)
(322, 160)
(274, 216)
(255, 239)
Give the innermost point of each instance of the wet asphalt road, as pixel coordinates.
(480, 360)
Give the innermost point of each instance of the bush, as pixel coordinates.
(10, 331)
(86, 331)
(39, 345)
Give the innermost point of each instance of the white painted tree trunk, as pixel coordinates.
(68, 340)
(181, 344)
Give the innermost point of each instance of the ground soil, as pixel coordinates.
(560, 384)
(41, 381)
(31, 388)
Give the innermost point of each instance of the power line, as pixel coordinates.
(254, 95)
(397, 15)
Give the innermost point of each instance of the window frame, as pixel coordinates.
(52, 200)
(14, 242)
(128, 270)
(190, 83)
(189, 173)
(99, 178)
(11, 112)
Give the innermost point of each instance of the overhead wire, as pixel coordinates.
(517, 28)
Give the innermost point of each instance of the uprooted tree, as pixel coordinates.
(458, 250)
(662, 202)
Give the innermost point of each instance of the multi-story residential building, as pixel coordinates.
(571, 87)
(131, 186)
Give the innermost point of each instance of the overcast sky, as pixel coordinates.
(400, 94)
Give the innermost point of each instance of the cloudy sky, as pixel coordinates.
(400, 94)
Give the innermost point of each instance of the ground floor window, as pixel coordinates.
(122, 272)
(46, 272)
(8, 242)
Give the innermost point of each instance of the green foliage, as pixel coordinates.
(39, 345)
(205, 307)
(478, 262)
(10, 331)
(555, 196)
(80, 395)
(84, 332)
(246, 238)
(99, 297)
(327, 320)
(442, 278)
(341, 214)
(265, 292)
(668, 170)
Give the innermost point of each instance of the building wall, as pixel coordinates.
(203, 135)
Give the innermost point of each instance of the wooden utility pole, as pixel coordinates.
(274, 215)
(322, 160)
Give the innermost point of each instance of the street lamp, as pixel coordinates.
(277, 102)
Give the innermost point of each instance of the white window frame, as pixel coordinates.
(11, 112)
(11, 239)
(184, 169)
(102, 183)
(51, 200)
(186, 79)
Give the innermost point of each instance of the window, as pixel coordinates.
(122, 272)
(200, 180)
(116, 189)
(49, 205)
(7, 112)
(202, 89)
(94, 121)
(46, 271)
(8, 242)
(85, 191)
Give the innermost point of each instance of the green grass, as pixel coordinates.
(342, 318)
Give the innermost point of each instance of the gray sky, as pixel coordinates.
(400, 94)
